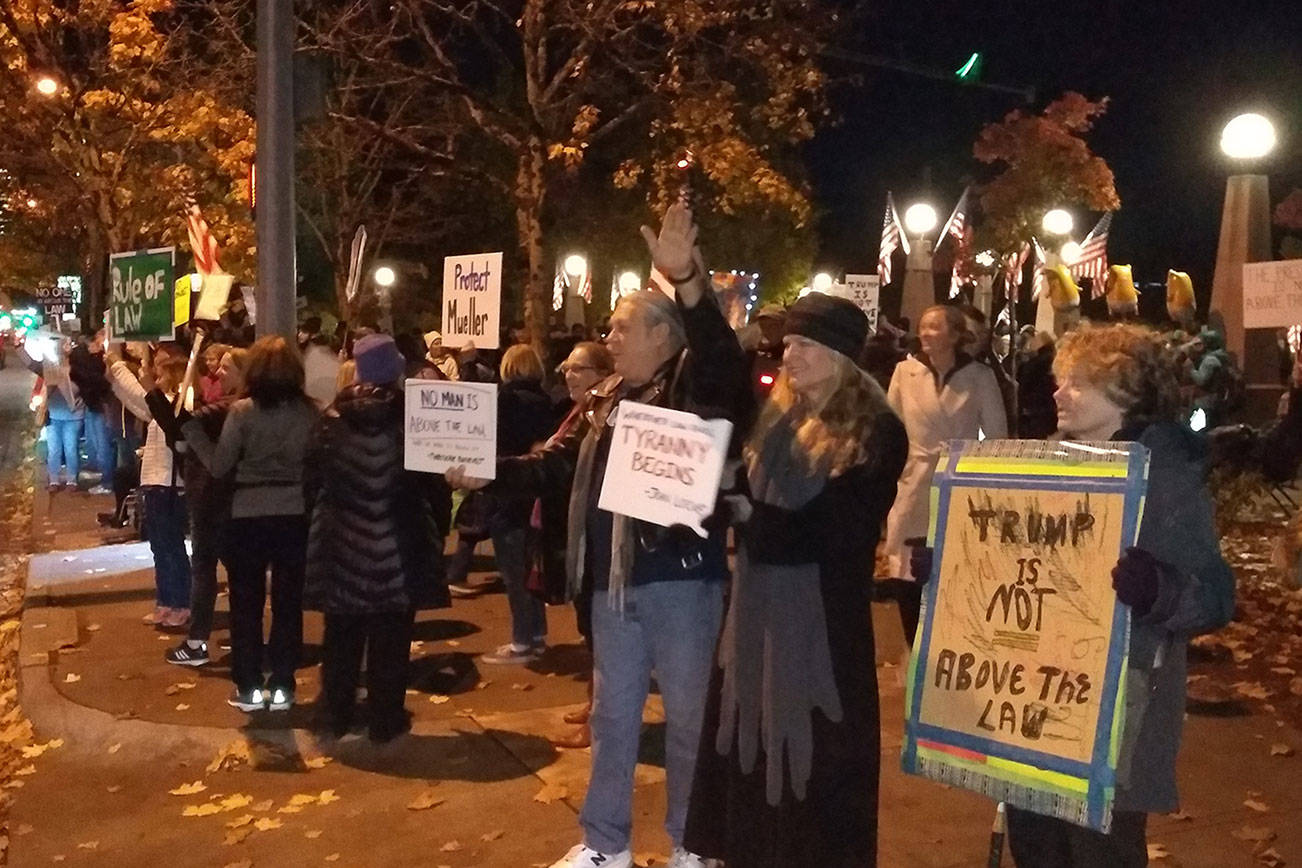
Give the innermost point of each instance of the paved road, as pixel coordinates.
(15, 391)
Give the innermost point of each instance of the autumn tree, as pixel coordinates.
(1044, 163)
(137, 124)
(532, 90)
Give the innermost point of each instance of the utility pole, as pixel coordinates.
(277, 265)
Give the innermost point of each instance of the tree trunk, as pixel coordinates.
(530, 193)
(94, 299)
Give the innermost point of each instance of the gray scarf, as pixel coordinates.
(777, 666)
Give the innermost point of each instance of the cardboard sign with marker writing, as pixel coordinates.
(450, 424)
(472, 300)
(1015, 686)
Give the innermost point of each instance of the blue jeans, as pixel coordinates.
(528, 613)
(62, 444)
(99, 446)
(669, 628)
(165, 527)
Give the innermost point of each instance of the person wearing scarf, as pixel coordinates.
(787, 772)
(657, 592)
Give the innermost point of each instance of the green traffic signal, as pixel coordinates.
(971, 70)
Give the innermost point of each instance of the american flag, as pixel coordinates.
(558, 288)
(1093, 260)
(962, 255)
(202, 244)
(1038, 285)
(956, 225)
(892, 239)
(1013, 264)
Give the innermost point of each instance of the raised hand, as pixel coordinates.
(674, 252)
(457, 478)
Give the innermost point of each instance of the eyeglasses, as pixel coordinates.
(566, 369)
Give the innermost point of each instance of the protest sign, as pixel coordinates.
(142, 284)
(664, 465)
(1272, 294)
(451, 424)
(1015, 687)
(181, 299)
(865, 291)
(472, 300)
(55, 301)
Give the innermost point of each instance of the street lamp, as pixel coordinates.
(1057, 222)
(575, 265)
(629, 282)
(385, 276)
(986, 259)
(47, 86)
(822, 282)
(1070, 253)
(1249, 136)
(920, 218)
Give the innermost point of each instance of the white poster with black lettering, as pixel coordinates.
(865, 291)
(472, 300)
(664, 465)
(451, 424)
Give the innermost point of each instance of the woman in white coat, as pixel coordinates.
(940, 394)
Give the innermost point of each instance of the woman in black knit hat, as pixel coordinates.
(788, 767)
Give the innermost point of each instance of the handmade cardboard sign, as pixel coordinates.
(1015, 684)
(865, 291)
(451, 424)
(664, 465)
(141, 303)
(1272, 294)
(472, 300)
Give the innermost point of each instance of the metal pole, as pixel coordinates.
(277, 266)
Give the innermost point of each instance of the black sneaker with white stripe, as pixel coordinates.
(186, 654)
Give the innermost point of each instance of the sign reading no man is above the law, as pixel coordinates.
(472, 300)
(664, 465)
(1272, 294)
(142, 286)
(450, 424)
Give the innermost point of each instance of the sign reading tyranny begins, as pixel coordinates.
(664, 465)
(142, 288)
(472, 300)
(1014, 687)
(451, 424)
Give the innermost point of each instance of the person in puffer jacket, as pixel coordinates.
(375, 543)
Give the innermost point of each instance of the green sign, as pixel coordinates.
(143, 288)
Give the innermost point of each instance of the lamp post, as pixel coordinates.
(576, 268)
(919, 290)
(47, 85)
(277, 262)
(822, 282)
(1245, 237)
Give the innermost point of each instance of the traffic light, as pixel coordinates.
(971, 69)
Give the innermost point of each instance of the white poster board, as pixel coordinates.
(1272, 294)
(450, 424)
(664, 465)
(472, 300)
(865, 291)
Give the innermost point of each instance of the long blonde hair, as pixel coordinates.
(833, 435)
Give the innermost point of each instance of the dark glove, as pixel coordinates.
(1136, 578)
(920, 561)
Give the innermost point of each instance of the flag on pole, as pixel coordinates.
(558, 288)
(956, 226)
(202, 244)
(1013, 264)
(1038, 283)
(893, 238)
(961, 272)
(1093, 261)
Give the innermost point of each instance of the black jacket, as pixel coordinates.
(88, 372)
(377, 530)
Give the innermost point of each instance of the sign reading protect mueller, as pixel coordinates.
(472, 300)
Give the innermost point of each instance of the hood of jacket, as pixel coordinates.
(367, 407)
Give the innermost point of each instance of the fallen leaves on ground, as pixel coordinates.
(312, 833)
(239, 822)
(425, 801)
(230, 757)
(1157, 852)
(32, 751)
(236, 801)
(266, 824)
(1281, 749)
(1254, 834)
(207, 809)
(189, 789)
(114, 748)
(316, 762)
(439, 698)
(243, 863)
(71, 678)
(181, 706)
(489, 837)
(1271, 858)
(237, 836)
(1256, 805)
(450, 847)
(551, 793)
(173, 689)
(88, 845)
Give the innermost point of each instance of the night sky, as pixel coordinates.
(1176, 72)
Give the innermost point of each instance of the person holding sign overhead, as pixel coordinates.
(658, 592)
(1119, 383)
(796, 674)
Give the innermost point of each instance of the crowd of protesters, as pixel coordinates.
(286, 462)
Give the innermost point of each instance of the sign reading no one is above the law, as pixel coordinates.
(1272, 294)
(472, 300)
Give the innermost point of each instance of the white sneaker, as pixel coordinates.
(681, 858)
(585, 857)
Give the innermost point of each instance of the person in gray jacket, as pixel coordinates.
(262, 443)
(1118, 382)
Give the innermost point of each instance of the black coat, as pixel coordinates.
(88, 372)
(376, 538)
(836, 823)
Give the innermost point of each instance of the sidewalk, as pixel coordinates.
(477, 784)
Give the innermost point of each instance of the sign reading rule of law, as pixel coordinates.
(1015, 687)
(142, 289)
(664, 465)
(450, 424)
(472, 300)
